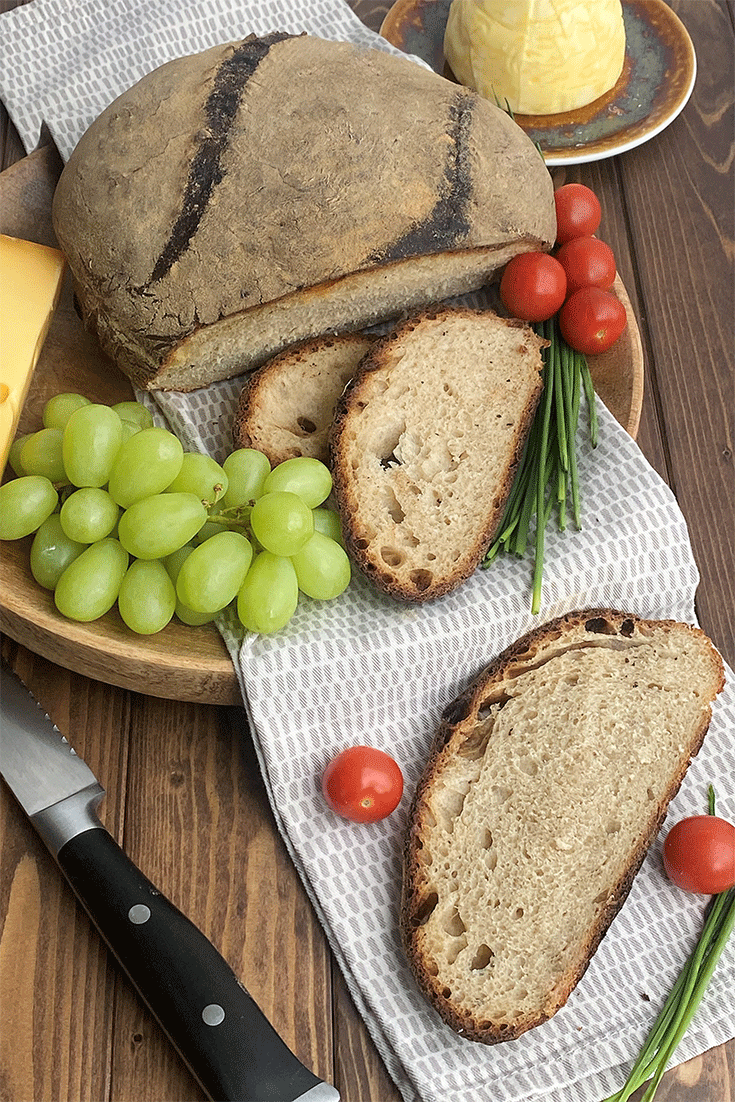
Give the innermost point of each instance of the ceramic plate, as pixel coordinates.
(655, 84)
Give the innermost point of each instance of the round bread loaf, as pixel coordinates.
(268, 191)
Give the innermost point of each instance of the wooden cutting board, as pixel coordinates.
(179, 663)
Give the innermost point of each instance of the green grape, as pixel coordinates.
(14, 454)
(92, 437)
(327, 521)
(59, 409)
(281, 522)
(176, 560)
(322, 568)
(41, 454)
(269, 595)
(89, 586)
(52, 551)
(129, 428)
(145, 465)
(89, 514)
(246, 470)
(136, 412)
(213, 573)
(147, 597)
(307, 478)
(156, 526)
(193, 619)
(200, 475)
(25, 503)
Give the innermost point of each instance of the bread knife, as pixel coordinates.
(213, 1022)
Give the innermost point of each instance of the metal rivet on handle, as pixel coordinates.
(213, 1014)
(139, 914)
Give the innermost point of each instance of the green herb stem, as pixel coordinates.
(682, 1002)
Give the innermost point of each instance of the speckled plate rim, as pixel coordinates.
(406, 27)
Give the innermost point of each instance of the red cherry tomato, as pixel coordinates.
(588, 262)
(363, 784)
(699, 854)
(578, 212)
(533, 286)
(591, 320)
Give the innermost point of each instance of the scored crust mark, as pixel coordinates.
(448, 224)
(206, 171)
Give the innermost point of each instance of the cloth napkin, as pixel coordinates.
(363, 669)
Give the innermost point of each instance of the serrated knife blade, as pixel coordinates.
(213, 1022)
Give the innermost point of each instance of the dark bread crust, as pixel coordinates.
(456, 726)
(378, 363)
(197, 198)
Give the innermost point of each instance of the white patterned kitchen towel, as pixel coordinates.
(364, 669)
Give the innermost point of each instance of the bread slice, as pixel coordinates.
(264, 192)
(425, 443)
(549, 779)
(286, 407)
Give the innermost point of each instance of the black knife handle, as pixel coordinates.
(216, 1026)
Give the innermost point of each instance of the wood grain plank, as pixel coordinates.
(678, 192)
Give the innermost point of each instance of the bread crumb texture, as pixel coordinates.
(552, 778)
(425, 444)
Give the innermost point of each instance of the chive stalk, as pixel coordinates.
(547, 477)
(685, 996)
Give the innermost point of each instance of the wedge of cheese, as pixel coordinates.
(540, 57)
(30, 284)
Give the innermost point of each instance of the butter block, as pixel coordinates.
(30, 284)
(540, 57)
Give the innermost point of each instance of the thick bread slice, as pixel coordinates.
(549, 779)
(425, 443)
(287, 406)
(269, 191)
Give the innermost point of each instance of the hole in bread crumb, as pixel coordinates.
(482, 957)
(487, 838)
(393, 508)
(500, 794)
(475, 745)
(600, 626)
(613, 826)
(529, 766)
(421, 579)
(650, 794)
(627, 627)
(453, 924)
(518, 912)
(447, 992)
(425, 909)
(306, 425)
(391, 556)
(432, 968)
(455, 948)
(602, 897)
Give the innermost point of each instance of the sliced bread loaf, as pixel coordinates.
(549, 779)
(425, 443)
(264, 192)
(287, 406)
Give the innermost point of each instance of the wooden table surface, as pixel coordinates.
(184, 795)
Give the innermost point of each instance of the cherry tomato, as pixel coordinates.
(588, 262)
(699, 854)
(578, 212)
(591, 320)
(533, 286)
(363, 784)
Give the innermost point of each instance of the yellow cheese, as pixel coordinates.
(541, 56)
(30, 284)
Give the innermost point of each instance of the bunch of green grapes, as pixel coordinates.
(119, 512)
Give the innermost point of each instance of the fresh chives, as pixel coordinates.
(684, 998)
(547, 475)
